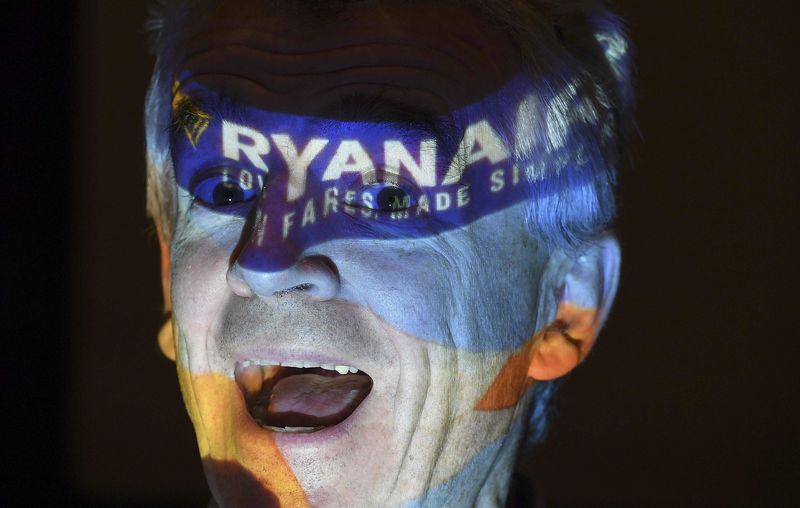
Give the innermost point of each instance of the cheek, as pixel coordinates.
(427, 288)
(199, 287)
(475, 288)
(407, 283)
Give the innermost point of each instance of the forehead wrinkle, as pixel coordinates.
(276, 64)
(272, 32)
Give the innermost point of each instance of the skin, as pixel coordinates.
(453, 328)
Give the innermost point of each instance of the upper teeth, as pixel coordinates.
(341, 369)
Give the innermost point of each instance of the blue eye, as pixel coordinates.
(386, 197)
(226, 188)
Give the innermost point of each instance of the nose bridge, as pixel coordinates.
(264, 247)
(274, 256)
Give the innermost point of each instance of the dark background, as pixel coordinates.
(689, 398)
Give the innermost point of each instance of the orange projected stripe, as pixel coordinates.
(512, 380)
(227, 434)
(577, 324)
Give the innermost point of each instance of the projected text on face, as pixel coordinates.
(309, 180)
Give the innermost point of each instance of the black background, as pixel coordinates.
(689, 398)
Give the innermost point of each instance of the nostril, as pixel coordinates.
(314, 277)
(321, 276)
(306, 286)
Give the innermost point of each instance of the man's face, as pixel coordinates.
(351, 267)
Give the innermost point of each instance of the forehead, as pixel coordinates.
(436, 55)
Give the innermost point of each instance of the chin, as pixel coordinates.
(294, 428)
(335, 465)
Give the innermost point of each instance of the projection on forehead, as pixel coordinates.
(314, 179)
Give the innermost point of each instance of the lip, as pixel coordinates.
(326, 434)
(300, 440)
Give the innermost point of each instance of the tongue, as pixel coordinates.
(312, 400)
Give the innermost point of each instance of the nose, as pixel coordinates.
(274, 258)
(313, 276)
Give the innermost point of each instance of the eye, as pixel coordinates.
(225, 187)
(386, 197)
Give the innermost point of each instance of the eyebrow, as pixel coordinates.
(360, 107)
(356, 107)
(191, 107)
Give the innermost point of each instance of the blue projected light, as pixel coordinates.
(319, 179)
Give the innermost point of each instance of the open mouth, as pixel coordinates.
(300, 396)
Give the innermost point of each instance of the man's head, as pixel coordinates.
(384, 230)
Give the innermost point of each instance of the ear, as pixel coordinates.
(587, 289)
(166, 335)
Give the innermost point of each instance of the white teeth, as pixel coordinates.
(341, 369)
(260, 363)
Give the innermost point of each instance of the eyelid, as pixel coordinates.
(204, 174)
(220, 174)
(234, 172)
(389, 181)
